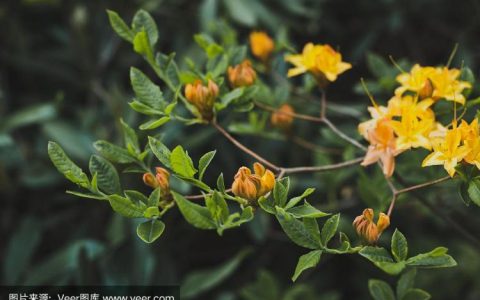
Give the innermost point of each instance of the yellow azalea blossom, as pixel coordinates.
(447, 86)
(421, 108)
(382, 147)
(412, 132)
(242, 74)
(414, 81)
(367, 229)
(471, 139)
(449, 152)
(202, 97)
(320, 60)
(437, 83)
(377, 113)
(261, 45)
(283, 117)
(252, 186)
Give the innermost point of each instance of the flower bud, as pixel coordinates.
(367, 229)
(242, 74)
(427, 90)
(202, 97)
(252, 186)
(261, 45)
(163, 179)
(283, 117)
(150, 180)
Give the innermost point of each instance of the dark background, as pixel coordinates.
(64, 77)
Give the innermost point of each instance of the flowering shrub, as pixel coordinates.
(230, 81)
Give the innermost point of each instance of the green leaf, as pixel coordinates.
(113, 153)
(125, 207)
(437, 258)
(141, 45)
(136, 197)
(86, 195)
(463, 191)
(382, 259)
(65, 166)
(201, 281)
(161, 151)
(107, 176)
(30, 115)
(195, 214)
(217, 206)
(144, 21)
(150, 230)
(236, 219)
(21, 247)
(119, 26)
(307, 261)
(181, 163)
(145, 90)
(145, 109)
(211, 48)
(296, 230)
(130, 137)
(267, 204)
(280, 192)
(292, 202)
(399, 246)
(221, 183)
(474, 191)
(229, 97)
(416, 294)
(154, 197)
(405, 283)
(306, 211)
(329, 229)
(380, 290)
(152, 124)
(203, 163)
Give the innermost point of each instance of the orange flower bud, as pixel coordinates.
(367, 229)
(163, 179)
(202, 97)
(150, 180)
(427, 90)
(282, 118)
(242, 74)
(252, 186)
(261, 45)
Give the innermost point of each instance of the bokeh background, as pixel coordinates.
(64, 77)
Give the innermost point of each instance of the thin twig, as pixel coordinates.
(244, 148)
(396, 192)
(198, 197)
(343, 135)
(323, 168)
(323, 103)
(295, 115)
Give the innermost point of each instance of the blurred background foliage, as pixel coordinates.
(64, 77)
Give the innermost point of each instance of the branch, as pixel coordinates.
(244, 148)
(323, 168)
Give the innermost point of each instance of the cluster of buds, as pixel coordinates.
(242, 74)
(252, 186)
(283, 117)
(160, 180)
(202, 97)
(261, 45)
(367, 229)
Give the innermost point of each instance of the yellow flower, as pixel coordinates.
(242, 74)
(261, 45)
(202, 97)
(377, 113)
(447, 86)
(282, 117)
(320, 60)
(448, 152)
(252, 186)
(412, 132)
(414, 81)
(437, 83)
(421, 109)
(367, 229)
(471, 139)
(382, 147)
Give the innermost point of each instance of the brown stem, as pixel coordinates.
(323, 168)
(244, 148)
(323, 103)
